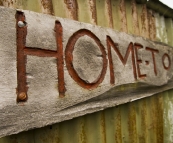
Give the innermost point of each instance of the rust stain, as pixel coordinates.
(92, 4)
(151, 25)
(132, 123)
(82, 134)
(103, 127)
(72, 7)
(8, 3)
(144, 22)
(118, 135)
(142, 136)
(69, 59)
(135, 18)
(109, 11)
(160, 120)
(153, 120)
(123, 18)
(47, 7)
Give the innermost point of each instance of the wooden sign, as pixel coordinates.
(54, 69)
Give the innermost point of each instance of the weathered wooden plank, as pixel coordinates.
(89, 77)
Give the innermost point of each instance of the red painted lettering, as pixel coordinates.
(139, 61)
(110, 44)
(69, 59)
(166, 67)
(21, 59)
(23, 51)
(153, 57)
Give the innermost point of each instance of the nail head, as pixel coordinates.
(21, 24)
(22, 96)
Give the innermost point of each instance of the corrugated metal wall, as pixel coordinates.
(149, 120)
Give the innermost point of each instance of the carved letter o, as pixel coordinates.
(169, 61)
(69, 59)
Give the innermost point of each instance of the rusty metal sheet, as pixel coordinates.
(54, 69)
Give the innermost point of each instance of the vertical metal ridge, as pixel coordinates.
(151, 25)
(116, 14)
(92, 4)
(59, 8)
(102, 13)
(168, 120)
(84, 14)
(163, 29)
(109, 12)
(153, 119)
(118, 134)
(8, 3)
(141, 121)
(169, 30)
(132, 123)
(103, 127)
(83, 135)
(135, 18)
(125, 122)
(159, 108)
(123, 19)
(72, 8)
(47, 7)
(144, 22)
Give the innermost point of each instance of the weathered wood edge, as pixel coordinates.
(87, 107)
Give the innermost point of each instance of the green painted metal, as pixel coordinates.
(136, 122)
(159, 7)
(168, 120)
(164, 34)
(102, 15)
(147, 120)
(169, 30)
(84, 11)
